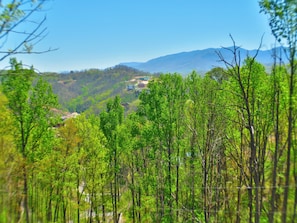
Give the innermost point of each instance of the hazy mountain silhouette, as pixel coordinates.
(199, 60)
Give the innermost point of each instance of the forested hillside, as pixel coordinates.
(90, 90)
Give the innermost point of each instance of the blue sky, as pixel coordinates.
(103, 33)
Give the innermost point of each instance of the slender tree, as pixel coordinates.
(251, 105)
(31, 106)
(163, 107)
(9, 190)
(110, 120)
(283, 22)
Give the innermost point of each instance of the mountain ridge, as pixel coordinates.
(199, 60)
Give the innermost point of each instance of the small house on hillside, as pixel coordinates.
(130, 87)
(69, 115)
(145, 78)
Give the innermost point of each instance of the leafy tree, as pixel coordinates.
(30, 104)
(218, 74)
(205, 124)
(283, 23)
(162, 105)
(8, 165)
(110, 120)
(93, 167)
(251, 102)
(278, 83)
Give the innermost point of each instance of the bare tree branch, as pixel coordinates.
(16, 18)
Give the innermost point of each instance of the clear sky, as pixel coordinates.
(103, 33)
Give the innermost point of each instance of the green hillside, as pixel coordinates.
(89, 90)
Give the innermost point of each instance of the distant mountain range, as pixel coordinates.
(199, 60)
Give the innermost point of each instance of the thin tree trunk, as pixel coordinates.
(205, 174)
(238, 214)
(139, 204)
(133, 192)
(103, 203)
(25, 194)
(275, 161)
(295, 179)
(177, 185)
(49, 206)
(78, 199)
(169, 182)
(290, 143)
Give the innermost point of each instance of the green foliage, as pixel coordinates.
(29, 100)
(182, 156)
(283, 23)
(282, 18)
(213, 148)
(30, 105)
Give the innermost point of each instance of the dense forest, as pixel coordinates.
(214, 148)
(197, 149)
